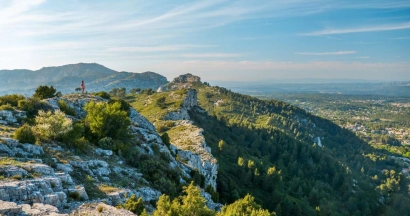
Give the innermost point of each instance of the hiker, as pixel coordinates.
(82, 86)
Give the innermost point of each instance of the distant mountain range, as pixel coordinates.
(68, 77)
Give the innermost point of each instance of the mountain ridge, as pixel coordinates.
(68, 77)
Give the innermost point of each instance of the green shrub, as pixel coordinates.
(125, 106)
(106, 143)
(73, 135)
(133, 205)
(6, 107)
(103, 94)
(74, 195)
(52, 126)
(107, 120)
(44, 92)
(81, 144)
(245, 206)
(160, 102)
(11, 99)
(65, 108)
(32, 106)
(25, 134)
(166, 140)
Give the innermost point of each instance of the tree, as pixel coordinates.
(166, 140)
(221, 144)
(245, 206)
(163, 206)
(134, 205)
(135, 90)
(192, 204)
(118, 92)
(52, 125)
(107, 120)
(24, 134)
(44, 92)
(160, 102)
(241, 162)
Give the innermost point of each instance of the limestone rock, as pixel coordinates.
(64, 167)
(4, 150)
(103, 152)
(39, 168)
(34, 191)
(9, 208)
(10, 170)
(209, 202)
(11, 117)
(100, 209)
(186, 78)
(140, 121)
(38, 209)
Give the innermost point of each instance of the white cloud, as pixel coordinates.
(164, 48)
(389, 27)
(327, 53)
(210, 55)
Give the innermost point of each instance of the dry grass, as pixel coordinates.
(107, 189)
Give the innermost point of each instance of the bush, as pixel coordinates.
(103, 94)
(124, 105)
(12, 99)
(6, 107)
(160, 102)
(74, 195)
(166, 140)
(44, 92)
(106, 143)
(65, 108)
(52, 126)
(118, 92)
(81, 144)
(107, 120)
(24, 134)
(133, 205)
(32, 106)
(73, 135)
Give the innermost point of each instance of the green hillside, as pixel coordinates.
(291, 161)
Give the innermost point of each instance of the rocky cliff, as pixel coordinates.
(187, 139)
(185, 81)
(51, 178)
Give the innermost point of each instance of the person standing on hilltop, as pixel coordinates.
(82, 86)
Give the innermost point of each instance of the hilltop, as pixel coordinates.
(68, 77)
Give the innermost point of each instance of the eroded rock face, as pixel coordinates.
(43, 190)
(190, 101)
(52, 185)
(11, 117)
(76, 102)
(186, 78)
(196, 154)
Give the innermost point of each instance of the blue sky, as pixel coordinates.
(215, 39)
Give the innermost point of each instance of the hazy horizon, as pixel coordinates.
(216, 40)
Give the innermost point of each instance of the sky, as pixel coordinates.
(214, 39)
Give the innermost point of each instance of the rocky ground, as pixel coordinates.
(51, 179)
